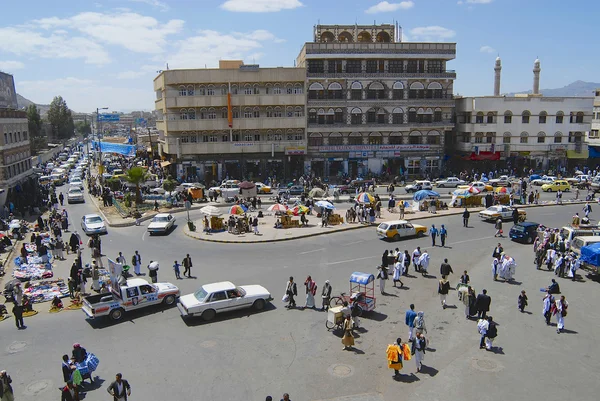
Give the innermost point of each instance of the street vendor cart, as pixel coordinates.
(362, 290)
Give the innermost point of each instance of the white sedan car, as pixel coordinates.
(450, 182)
(93, 224)
(76, 182)
(215, 298)
(161, 223)
(75, 195)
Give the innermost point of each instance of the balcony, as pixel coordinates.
(175, 101)
(221, 124)
(159, 104)
(225, 148)
(448, 74)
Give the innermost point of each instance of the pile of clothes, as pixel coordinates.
(45, 291)
(33, 266)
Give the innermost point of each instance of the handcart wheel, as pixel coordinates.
(329, 325)
(336, 301)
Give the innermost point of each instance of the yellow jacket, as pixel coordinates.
(395, 353)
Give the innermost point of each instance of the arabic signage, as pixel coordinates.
(107, 118)
(295, 150)
(372, 148)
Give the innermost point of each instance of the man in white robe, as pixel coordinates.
(424, 262)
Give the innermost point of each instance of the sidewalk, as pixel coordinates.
(267, 232)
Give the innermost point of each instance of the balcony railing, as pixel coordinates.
(448, 74)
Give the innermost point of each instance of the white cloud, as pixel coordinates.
(76, 93)
(23, 41)
(431, 34)
(9, 65)
(260, 6)
(385, 7)
(261, 35)
(132, 31)
(460, 2)
(144, 70)
(208, 47)
(487, 49)
(154, 3)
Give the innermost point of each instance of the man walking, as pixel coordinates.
(415, 258)
(443, 235)
(136, 261)
(418, 350)
(433, 232)
(466, 214)
(382, 276)
(482, 303)
(326, 295)
(446, 269)
(119, 389)
(187, 266)
(409, 320)
(291, 290)
(443, 288)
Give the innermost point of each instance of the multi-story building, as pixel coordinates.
(593, 139)
(528, 130)
(15, 153)
(235, 121)
(376, 104)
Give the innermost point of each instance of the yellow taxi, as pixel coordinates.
(396, 229)
(554, 186)
(262, 188)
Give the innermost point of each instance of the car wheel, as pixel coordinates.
(567, 189)
(208, 314)
(116, 314)
(530, 240)
(259, 304)
(441, 186)
(169, 300)
(397, 237)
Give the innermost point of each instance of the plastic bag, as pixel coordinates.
(285, 298)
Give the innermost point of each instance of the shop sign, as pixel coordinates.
(295, 150)
(238, 144)
(372, 148)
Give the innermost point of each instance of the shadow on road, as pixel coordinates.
(104, 322)
(406, 378)
(377, 316)
(198, 321)
(429, 370)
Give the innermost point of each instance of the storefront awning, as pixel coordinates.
(584, 154)
(484, 155)
(165, 164)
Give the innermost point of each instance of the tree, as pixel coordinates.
(169, 184)
(34, 120)
(136, 176)
(83, 128)
(60, 119)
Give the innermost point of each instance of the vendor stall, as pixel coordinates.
(46, 290)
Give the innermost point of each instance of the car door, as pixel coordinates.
(237, 301)
(133, 298)
(148, 294)
(407, 230)
(506, 212)
(219, 301)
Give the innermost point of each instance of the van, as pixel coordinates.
(394, 230)
(569, 232)
(45, 180)
(580, 242)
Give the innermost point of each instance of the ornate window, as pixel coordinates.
(479, 118)
(312, 116)
(507, 117)
(489, 137)
(345, 37)
(338, 116)
(559, 117)
(356, 91)
(395, 138)
(414, 138)
(355, 138)
(277, 90)
(397, 116)
(375, 138)
(558, 137)
(479, 137)
(200, 92)
(376, 91)
(210, 91)
(277, 113)
(182, 91)
(183, 115)
(315, 139)
(433, 138)
(248, 90)
(336, 139)
(416, 91)
(525, 117)
(298, 89)
(190, 90)
(542, 117)
(490, 118)
(434, 91)
(247, 112)
(398, 91)
(541, 137)
(212, 114)
(334, 91)
(356, 116)
(437, 115)
(316, 91)
(524, 137)
(506, 137)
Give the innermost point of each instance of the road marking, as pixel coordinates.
(476, 239)
(314, 250)
(350, 260)
(143, 235)
(353, 243)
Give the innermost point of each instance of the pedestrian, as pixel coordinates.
(385, 260)
(409, 320)
(443, 235)
(153, 271)
(418, 350)
(515, 215)
(434, 233)
(483, 303)
(69, 392)
(560, 310)
(291, 290)
(348, 338)
(136, 261)
(537, 197)
(419, 323)
(466, 214)
(522, 302)
(548, 304)
(176, 266)
(415, 258)
(498, 251)
(424, 263)
(489, 331)
(120, 259)
(498, 227)
(286, 397)
(398, 271)
(187, 266)
(576, 220)
(396, 353)
(465, 279)
(119, 389)
(468, 300)
(443, 288)
(406, 262)
(61, 198)
(255, 225)
(67, 368)
(446, 269)
(326, 295)
(559, 197)
(382, 276)
(6, 390)
(311, 290)
(401, 208)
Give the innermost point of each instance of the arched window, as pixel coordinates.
(397, 116)
(437, 115)
(182, 91)
(382, 37)
(356, 91)
(277, 89)
(506, 137)
(202, 114)
(490, 118)
(356, 116)
(338, 116)
(541, 137)
(434, 90)
(269, 111)
(327, 37)
(210, 90)
(277, 112)
(364, 37)
(375, 138)
(345, 37)
(183, 115)
(542, 117)
(247, 112)
(376, 91)
(558, 137)
(398, 91)
(415, 138)
(479, 118)
(316, 91)
(315, 139)
(575, 137)
(559, 117)
(200, 92)
(298, 89)
(334, 91)
(395, 138)
(508, 117)
(355, 138)
(335, 138)
(579, 117)
(256, 112)
(524, 137)
(433, 138)
(299, 112)
(525, 117)
(224, 90)
(479, 137)
(412, 115)
(416, 91)
(312, 116)
(192, 114)
(190, 90)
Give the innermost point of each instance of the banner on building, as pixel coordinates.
(109, 147)
(371, 148)
(295, 150)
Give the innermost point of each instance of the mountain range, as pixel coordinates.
(574, 89)
(24, 103)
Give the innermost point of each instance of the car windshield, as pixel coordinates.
(241, 292)
(160, 219)
(74, 191)
(383, 226)
(200, 295)
(518, 228)
(93, 220)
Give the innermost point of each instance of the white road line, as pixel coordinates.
(143, 235)
(314, 250)
(351, 260)
(353, 243)
(476, 239)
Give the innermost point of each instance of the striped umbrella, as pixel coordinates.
(503, 190)
(278, 207)
(365, 197)
(237, 209)
(296, 210)
(473, 190)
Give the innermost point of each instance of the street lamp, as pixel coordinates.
(99, 135)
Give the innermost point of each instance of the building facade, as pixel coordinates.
(376, 104)
(593, 139)
(235, 121)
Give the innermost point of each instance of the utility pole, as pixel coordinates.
(151, 148)
(99, 135)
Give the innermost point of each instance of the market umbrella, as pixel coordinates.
(324, 205)
(316, 193)
(365, 197)
(461, 192)
(473, 190)
(296, 210)
(246, 185)
(278, 207)
(153, 266)
(211, 211)
(237, 209)
(503, 190)
(425, 193)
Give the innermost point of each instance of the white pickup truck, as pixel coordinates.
(228, 189)
(136, 293)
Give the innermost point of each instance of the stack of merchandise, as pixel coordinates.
(89, 365)
(45, 291)
(34, 267)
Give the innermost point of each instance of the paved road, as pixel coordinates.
(250, 355)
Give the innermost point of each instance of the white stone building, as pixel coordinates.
(593, 139)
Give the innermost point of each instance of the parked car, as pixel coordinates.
(221, 297)
(450, 182)
(502, 181)
(295, 190)
(481, 186)
(504, 212)
(398, 229)
(556, 185)
(525, 231)
(75, 195)
(93, 224)
(546, 179)
(161, 223)
(418, 186)
(262, 188)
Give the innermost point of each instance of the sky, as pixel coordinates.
(105, 53)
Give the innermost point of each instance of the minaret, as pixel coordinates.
(536, 77)
(498, 71)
